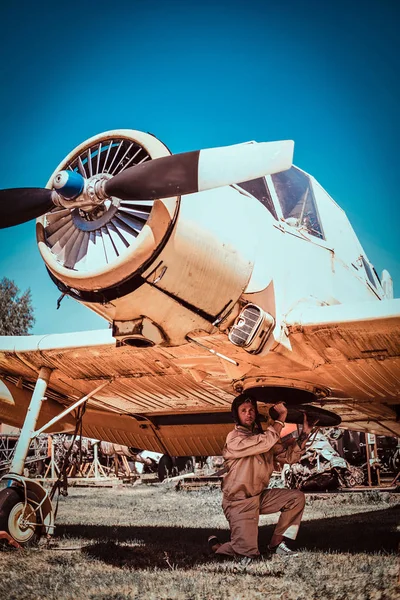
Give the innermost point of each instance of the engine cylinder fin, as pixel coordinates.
(71, 249)
(146, 203)
(109, 249)
(118, 239)
(57, 225)
(116, 168)
(137, 214)
(80, 260)
(143, 160)
(98, 158)
(56, 215)
(139, 211)
(95, 255)
(133, 221)
(81, 168)
(58, 234)
(131, 161)
(115, 156)
(89, 162)
(143, 205)
(90, 251)
(126, 232)
(110, 234)
(60, 243)
(104, 167)
(134, 224)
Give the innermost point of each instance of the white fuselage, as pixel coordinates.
(226, 248)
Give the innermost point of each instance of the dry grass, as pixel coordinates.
(148, 542)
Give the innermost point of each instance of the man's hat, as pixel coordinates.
(238, 401)
(241, 399)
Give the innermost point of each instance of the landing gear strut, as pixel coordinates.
(25, 508)
(26, 512)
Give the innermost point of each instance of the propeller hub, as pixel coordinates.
(69, 184)
(71, 190)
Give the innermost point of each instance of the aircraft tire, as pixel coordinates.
(11, 509)
(165, 467)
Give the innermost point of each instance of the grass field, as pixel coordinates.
(149, 542)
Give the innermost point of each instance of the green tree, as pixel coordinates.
(16, 312)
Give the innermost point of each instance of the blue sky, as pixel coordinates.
(200, 75)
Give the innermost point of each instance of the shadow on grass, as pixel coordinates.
(170, 547)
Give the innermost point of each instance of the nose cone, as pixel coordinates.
(69, 184)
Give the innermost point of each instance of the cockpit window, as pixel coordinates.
(258, 188)
(368, 271)
(297, 200)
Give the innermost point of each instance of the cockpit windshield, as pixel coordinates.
(297, 201)
(258, 188)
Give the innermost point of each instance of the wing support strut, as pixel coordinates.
(70, 409)
(28, 432)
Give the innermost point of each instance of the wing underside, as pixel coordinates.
(177, 400)
(355, 350)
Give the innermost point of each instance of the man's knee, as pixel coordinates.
(297, 499)
(244, 536)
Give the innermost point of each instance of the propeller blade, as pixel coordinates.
(173, 175)
(158, 178)
(18, 205)
(201, 170)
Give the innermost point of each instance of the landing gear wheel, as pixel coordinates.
(19, 519)
(165, 467)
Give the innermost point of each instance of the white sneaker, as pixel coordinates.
(283, 551)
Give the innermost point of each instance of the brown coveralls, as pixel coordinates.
(250, 460)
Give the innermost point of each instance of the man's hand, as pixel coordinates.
(307, 428)
(308, 424)
(281, 410)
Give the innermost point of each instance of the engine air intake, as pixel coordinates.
(251, 328)
(99, 244)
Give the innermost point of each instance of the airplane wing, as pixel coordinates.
(150, 401)
(354, 351)
(176, 400)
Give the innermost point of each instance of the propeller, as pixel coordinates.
(18, 205)
(178, 174)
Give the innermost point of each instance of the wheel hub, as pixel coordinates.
(22, 522)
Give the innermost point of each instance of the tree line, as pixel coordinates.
(16, 310)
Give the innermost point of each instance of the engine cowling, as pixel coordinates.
(156, 269)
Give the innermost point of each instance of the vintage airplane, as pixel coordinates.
(220, 271)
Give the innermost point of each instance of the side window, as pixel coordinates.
(258, 189)
(368, 271)
(297, 200)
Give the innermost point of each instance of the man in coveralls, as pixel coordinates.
(250, 457)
